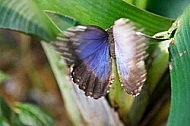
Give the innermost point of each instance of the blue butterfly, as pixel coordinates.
(90, 50)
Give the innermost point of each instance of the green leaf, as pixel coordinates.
(7, 116)
(62, 22)
(93, 12)
(3, 76)
(5, 111)
(179, 70)
(168, 8)
(26, 16)
(103, 14)
(61, 77)
(32, 115)
(119, 99)
(138, 3)
(159, 65)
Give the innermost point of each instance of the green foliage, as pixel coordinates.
(27, 17)
(46, 19)
(62, 22)
(61, 77)
(5, 111)
(7, 116)
(32, 115)
(103, 14)
(23, 114)
(179, 70)
(118, 97)
(168, 8)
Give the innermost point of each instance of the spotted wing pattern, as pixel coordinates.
(86, 50)
(130, 51)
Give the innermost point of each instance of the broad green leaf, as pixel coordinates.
(179, 70)
(25, 16)
(103, 14)
(32, 115)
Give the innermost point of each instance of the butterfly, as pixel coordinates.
(89, 52)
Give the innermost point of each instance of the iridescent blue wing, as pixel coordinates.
(85, 49)
(130, 51)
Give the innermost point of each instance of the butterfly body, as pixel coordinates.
(89, 50)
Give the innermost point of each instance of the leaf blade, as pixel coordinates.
(32, 115)
(103, 14)
(179, 71)
(25, 16)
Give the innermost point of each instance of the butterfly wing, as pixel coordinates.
(130, 51)
(85, 49)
